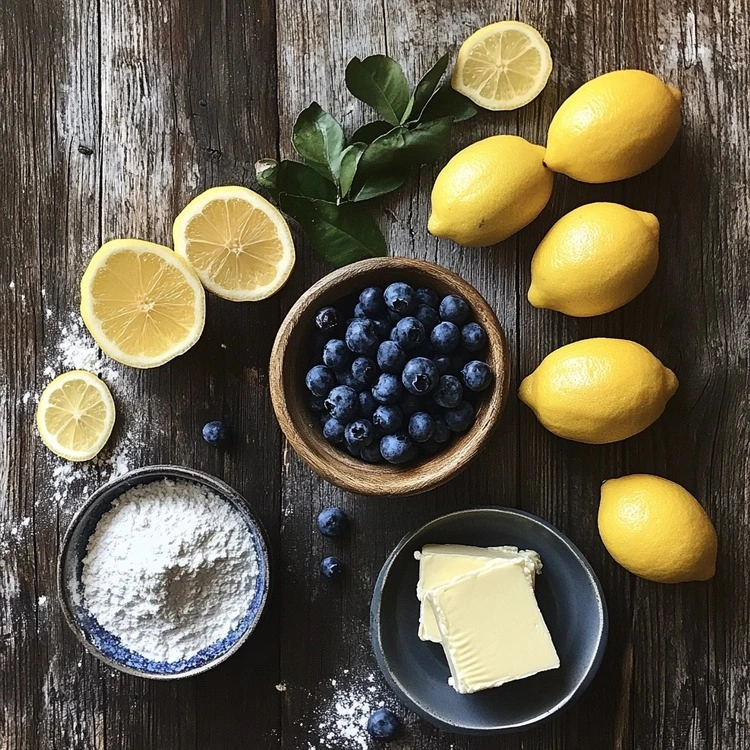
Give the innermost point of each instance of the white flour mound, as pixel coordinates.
(169, 570)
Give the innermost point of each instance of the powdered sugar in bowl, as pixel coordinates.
(164, 572)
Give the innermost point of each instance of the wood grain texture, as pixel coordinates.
(116, 114)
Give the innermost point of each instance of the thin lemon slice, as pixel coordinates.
(75, 415)
(502, 66)
(237, 242)
(142, 303)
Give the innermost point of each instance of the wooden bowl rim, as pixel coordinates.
(356, 476)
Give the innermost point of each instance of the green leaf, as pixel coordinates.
(425, 89)
(384, 166)
(349, 161)
(319, 139)
(266, 173)
(446, 102)
(342, 234)
(379, 81)
(376, 185)
(300, 179)
(369, 132)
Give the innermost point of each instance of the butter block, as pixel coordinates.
(491, 628)
(440, 563)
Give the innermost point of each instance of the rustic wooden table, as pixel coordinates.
(115, 114)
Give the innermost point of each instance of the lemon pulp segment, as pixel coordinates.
(502, 66)
(75, 415)
(141, 302)
(238, 243)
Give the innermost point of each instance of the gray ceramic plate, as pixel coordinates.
(569, 596)
(103, 644)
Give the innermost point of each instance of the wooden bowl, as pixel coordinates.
(291, 358)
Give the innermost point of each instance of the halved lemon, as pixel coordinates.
(142, 303)
(502, 66)
(75, 415)
(237, 242)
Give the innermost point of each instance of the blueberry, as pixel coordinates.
(361, 336)
(359, 311)
(358, 434)
(420, 376)
(476, 375)
(216, 433)
(387, 419)
(399, 297)
(421, 427)
(342, 403)
(442, 433)
(443, 363)
(427, 297)
(371, 453)
(333, 430)
(473, 337)
(410, 404)
(408, 333)
(319, 380)
(336, 354)
(388, 389)
(460, 418)
(332, 522)
(367, 403)
(326, 318)
(445, 337)
(449, 392)
(391, 357)
(398, 448)
(383, 724)
(454, 309)
(318, 403)
(364, 373)
(427, 316)
(332, 567)
(371, 301)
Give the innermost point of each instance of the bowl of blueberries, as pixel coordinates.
(389, 375)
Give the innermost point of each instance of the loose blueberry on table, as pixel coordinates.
(216, 433)
(383, 724)
(400, 369)
(332, 567)
(332, 522)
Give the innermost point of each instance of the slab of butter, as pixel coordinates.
(491, 628)
(440, 563)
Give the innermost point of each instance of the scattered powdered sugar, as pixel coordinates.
(169, 570)
(76, 350)
(341, 722)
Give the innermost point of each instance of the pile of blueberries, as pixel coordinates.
(397, 379)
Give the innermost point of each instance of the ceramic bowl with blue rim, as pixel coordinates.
(103, 644)
(570, 599)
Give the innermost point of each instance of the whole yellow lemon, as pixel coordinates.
(489, 191)
(657, 529)
(594, 260)
(615, 126)
(598, 390)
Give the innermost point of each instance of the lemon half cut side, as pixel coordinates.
(75, 415)
(142, 303)
(238, 243)
(502, 66)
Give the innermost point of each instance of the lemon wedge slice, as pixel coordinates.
(237, 242)
(75, 415)
(502, 66)
(142, 303)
